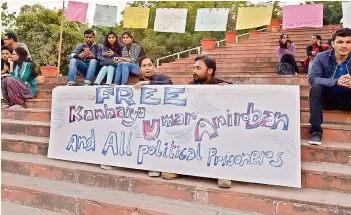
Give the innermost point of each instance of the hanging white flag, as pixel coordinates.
(105, 15)
(346, 11)
(211, 19)
(170, 20)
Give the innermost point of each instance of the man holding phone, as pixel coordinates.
(331, 82)
(85, 58)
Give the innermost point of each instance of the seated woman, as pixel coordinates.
(111, 50)
(20, 84)
(312, 50)
(286, 51)
(131, 53)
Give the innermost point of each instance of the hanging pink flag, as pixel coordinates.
(77, 11)
(300, 16)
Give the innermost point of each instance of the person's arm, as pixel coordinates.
(280, 53)
(99, 51)
(316, 74)
(136, 52)
(77, 51)
(26, 71)
(292, 49)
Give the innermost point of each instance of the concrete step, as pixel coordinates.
(323, 176)
(340, 117)
(72, 178)
(43, 94)
(38, 103)
(24, 144)
(8, 208)
(28, 114)
(72, 199)
(28, 128)
(331, 132)
(331, 152)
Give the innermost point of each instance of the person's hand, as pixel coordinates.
(344, 81)
(110, 53)
(287, 52)
(6, 68)
(82, 55)
(10, 61)
(117, 59)
(5, 75)
(141, 83)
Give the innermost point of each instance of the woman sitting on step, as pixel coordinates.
(20, 83)
(286, 51)
(131, 53)
(111, 50)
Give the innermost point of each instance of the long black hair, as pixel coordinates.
(130, 34)
(107, 43)
(23, 57)
(287, 41)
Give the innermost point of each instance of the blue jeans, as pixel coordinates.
(86, 68)
(122, 72)
(109, 70)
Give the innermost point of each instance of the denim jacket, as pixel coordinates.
(324, 69)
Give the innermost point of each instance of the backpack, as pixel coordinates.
(284, 69)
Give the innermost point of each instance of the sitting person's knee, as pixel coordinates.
(316, 89)
(93, 61)
(73, 61)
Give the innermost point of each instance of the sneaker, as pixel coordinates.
(106, 167)
(70, 84)
(169, 176)
(154, 174)
(223, 183)
(316, 138)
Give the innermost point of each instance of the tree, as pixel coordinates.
(7, 19)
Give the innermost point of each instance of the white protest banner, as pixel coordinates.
(211, 19)
(170, 20)
(247, 133)
(105, 15)
(346, 11)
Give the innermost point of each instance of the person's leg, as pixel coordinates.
(101, 75)
(124, 71)
(134, 69)
(74, 66)
(110, 73)
(15, 92)
(118, 73)
(288, 58)
(319, 97)
(343, 101)
(129, 68)
(93, 64)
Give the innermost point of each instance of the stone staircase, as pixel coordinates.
(29, 178)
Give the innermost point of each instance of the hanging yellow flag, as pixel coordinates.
(252, 17)
(136, 17)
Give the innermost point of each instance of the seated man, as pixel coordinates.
(6, 53)
(85, 58)
(11, 40)
(331, 82)
(149, 77)
(204, 73)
